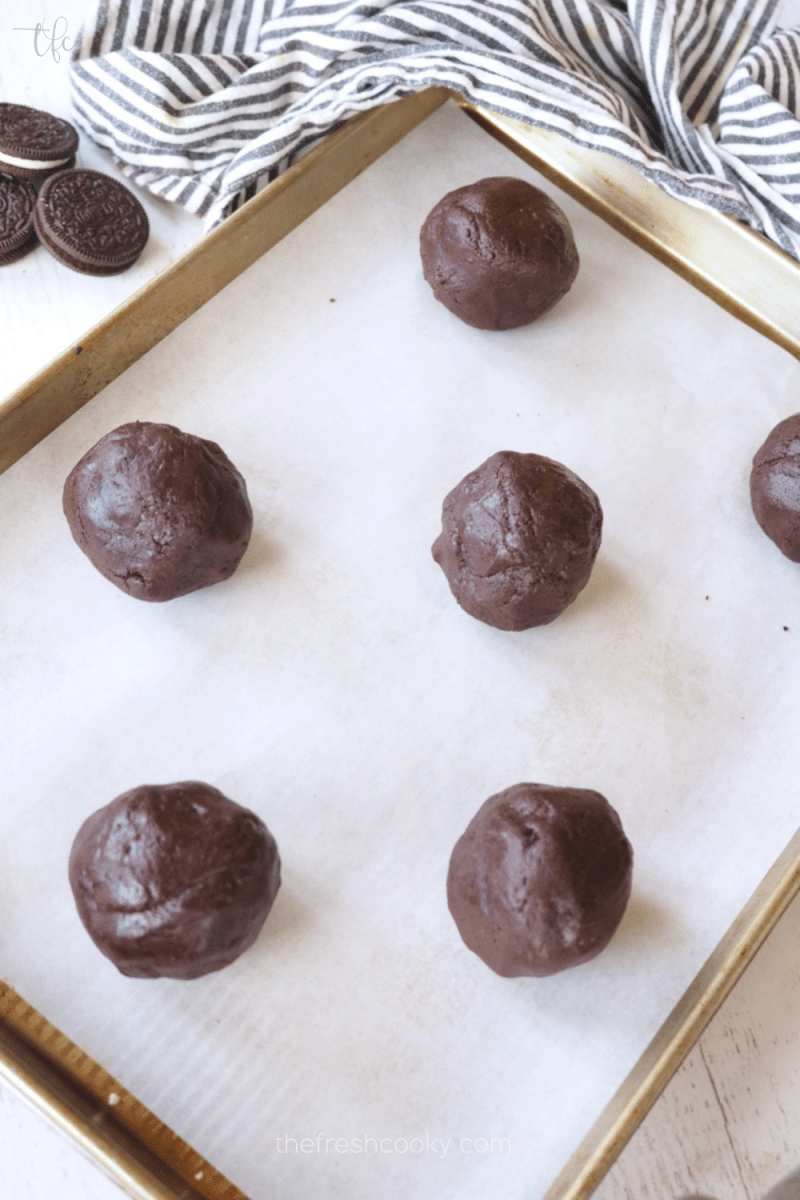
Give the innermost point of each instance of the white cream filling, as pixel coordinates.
(33, 164)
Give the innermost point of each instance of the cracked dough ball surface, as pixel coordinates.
(540, 879)
(173, 880)
(158, 511)
(775, 487)
(519, 538)
(498, 253)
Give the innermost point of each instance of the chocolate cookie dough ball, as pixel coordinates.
(159, 512)
(498, 253)
(540, 879)
(775, 487)
(173, 880)
(519, 538)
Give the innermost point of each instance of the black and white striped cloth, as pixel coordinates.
(202, 101)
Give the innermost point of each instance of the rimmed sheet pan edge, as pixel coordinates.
(124, 1138)
(625, 1112)
(111, 346)
(735, 267)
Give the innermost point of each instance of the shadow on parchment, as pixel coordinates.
(644, 922)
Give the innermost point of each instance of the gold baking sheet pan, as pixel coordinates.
(736, 267)
(84, 369)
(130, 1143)
(151, 1163)
(680, 1032)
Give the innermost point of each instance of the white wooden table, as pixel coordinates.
(727, 1125)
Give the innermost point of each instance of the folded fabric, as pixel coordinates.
(203, 101)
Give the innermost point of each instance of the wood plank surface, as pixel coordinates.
(727, 1125)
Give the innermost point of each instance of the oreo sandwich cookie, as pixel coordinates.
(90, 222)
(17, 201)
(34, 144)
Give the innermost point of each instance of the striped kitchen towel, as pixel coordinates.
(203, 101)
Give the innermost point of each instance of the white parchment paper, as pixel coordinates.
(335, 687)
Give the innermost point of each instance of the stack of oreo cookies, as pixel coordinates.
(87, 220)
(34, 144)
(17, 202)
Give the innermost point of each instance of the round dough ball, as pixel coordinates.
(159, 512)
(540, 879)
(173, 880)
(498, 253)
(775, 487)
(519, 539)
